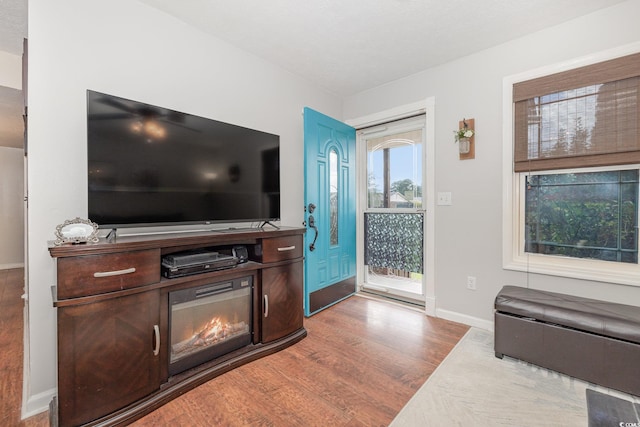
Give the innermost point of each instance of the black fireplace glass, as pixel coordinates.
(208, 321)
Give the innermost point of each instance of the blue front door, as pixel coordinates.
(330, 211)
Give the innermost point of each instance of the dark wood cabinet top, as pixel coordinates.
(171, 242)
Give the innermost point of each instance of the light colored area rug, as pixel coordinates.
(474, 388)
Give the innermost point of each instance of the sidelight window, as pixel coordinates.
(333, 197)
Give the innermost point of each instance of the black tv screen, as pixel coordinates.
(149, 165)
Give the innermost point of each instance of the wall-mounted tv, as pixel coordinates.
(149, 165)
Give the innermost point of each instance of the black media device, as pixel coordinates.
(195, 262)
(149, 165)
(240, 252)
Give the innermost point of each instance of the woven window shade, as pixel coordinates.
(583, 117)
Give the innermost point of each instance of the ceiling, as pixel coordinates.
(343, 46)
(348, 46)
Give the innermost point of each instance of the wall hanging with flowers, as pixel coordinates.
(465, 138)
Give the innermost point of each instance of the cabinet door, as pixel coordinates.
(106, 355)
(282, 311)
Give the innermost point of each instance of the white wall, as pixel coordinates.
(128, 49)
(10, 70)
(469, 233)
(11, 207)
(11, 165)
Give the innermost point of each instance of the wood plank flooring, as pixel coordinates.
(11, 351)
(361, 362)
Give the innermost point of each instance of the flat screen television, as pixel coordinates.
(149, 165)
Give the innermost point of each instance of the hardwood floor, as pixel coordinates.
(361, 362)
(11, 351)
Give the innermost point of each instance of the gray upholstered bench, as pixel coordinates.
(592, 340)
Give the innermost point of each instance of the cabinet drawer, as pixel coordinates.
(281, 248)
(97, 274)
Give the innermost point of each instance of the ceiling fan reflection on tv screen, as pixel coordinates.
(150, 166)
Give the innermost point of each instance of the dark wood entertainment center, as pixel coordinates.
(113, 318)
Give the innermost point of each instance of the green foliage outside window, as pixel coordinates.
(583, 215)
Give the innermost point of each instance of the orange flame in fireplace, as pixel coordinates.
(215, 331)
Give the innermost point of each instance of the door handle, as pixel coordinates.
(312, 224)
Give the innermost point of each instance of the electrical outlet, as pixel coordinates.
(471, 283)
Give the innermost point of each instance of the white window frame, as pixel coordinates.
(513, 255)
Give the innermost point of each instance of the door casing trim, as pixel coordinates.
(426, 107)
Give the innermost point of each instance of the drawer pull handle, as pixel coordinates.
(114, 273)
(266, 305)
(156, 331)
(286, 248)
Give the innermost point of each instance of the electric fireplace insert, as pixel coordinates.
(208, 321)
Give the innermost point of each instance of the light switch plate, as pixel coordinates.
(444, 198)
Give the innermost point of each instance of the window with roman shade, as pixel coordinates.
(584, 117)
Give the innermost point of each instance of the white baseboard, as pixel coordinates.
(38, 403)
(465, 319)
(10, 266)
(430, 306)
